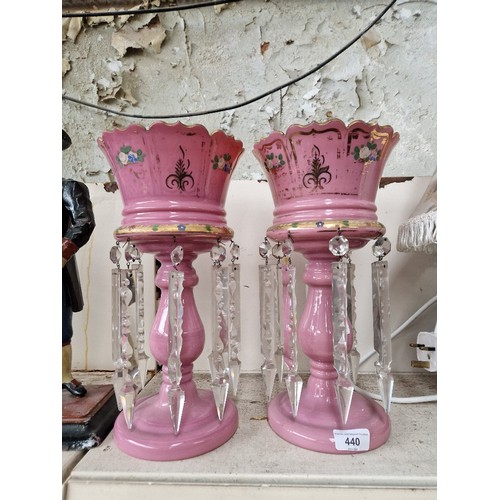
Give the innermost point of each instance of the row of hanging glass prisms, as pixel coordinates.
(224, 361)
(127, 327)
(278, 315)
(278, 321)
(129, 357)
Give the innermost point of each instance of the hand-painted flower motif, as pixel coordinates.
(273, 161)
(367, 154)
(127, 155)
(222, 162)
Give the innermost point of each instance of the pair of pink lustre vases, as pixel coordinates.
(173, 180)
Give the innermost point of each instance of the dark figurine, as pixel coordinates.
(77, 226)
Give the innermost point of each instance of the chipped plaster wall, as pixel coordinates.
(205, 58)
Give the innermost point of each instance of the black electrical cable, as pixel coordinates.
(244, 103)
(153, 10)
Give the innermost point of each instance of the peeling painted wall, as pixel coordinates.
(206, 58)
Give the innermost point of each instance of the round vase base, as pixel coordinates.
(152, 435)
(319, 427)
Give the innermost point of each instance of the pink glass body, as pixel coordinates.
(325, 171)
(173, 180)
(324, 179)
(171, 173)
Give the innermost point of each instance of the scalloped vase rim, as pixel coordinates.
(178, 124)
(326, 123)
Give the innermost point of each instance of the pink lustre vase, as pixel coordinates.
(173, 181)
(324, 179)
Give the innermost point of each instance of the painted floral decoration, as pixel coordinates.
(273, 161)
(368, 153)
(126, 155)
(222, 162)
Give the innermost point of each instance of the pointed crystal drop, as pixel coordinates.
(344, 390)
(354, 358)
(211, 364)
(381, 330)
(176, 255)
(142, 362)
(265, 249)
(294, 388)
(176, 399)
(131, 252)
(135, 376)
(218, 254)
(220, 388)
(225, 361)
(269, 375)
(339, 246)
(127, 397)
(118, 380)
(287, 247)
(385, 386)
(234, 374)
(235, 251)
(279, 359)
(115, 254)
(381, 247)
(278, 251)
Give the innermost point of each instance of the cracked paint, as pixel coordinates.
(129, 37)
(206, 58)
(71, 28)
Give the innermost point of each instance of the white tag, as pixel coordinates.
(351, 439)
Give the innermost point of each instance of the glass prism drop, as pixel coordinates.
(127, 397)
(294, 384)
(142, 361)
(344, 391)
(218, 254)
(354, 359)
(220, 388)
(265, 249)
(131, 252)
(176, 398)
(279, 360)
(235, 251)
(176, 255)
(287, 247)
(386, 385)
(115, 254)
(269, 372)
(278, 252)
(234, 374)
(118, 380)
(381, 247)
(339, 246)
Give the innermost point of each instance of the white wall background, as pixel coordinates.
(249, 212)
(205, 58)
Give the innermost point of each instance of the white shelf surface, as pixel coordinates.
(256, 463)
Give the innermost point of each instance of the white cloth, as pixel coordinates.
(419, 232)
